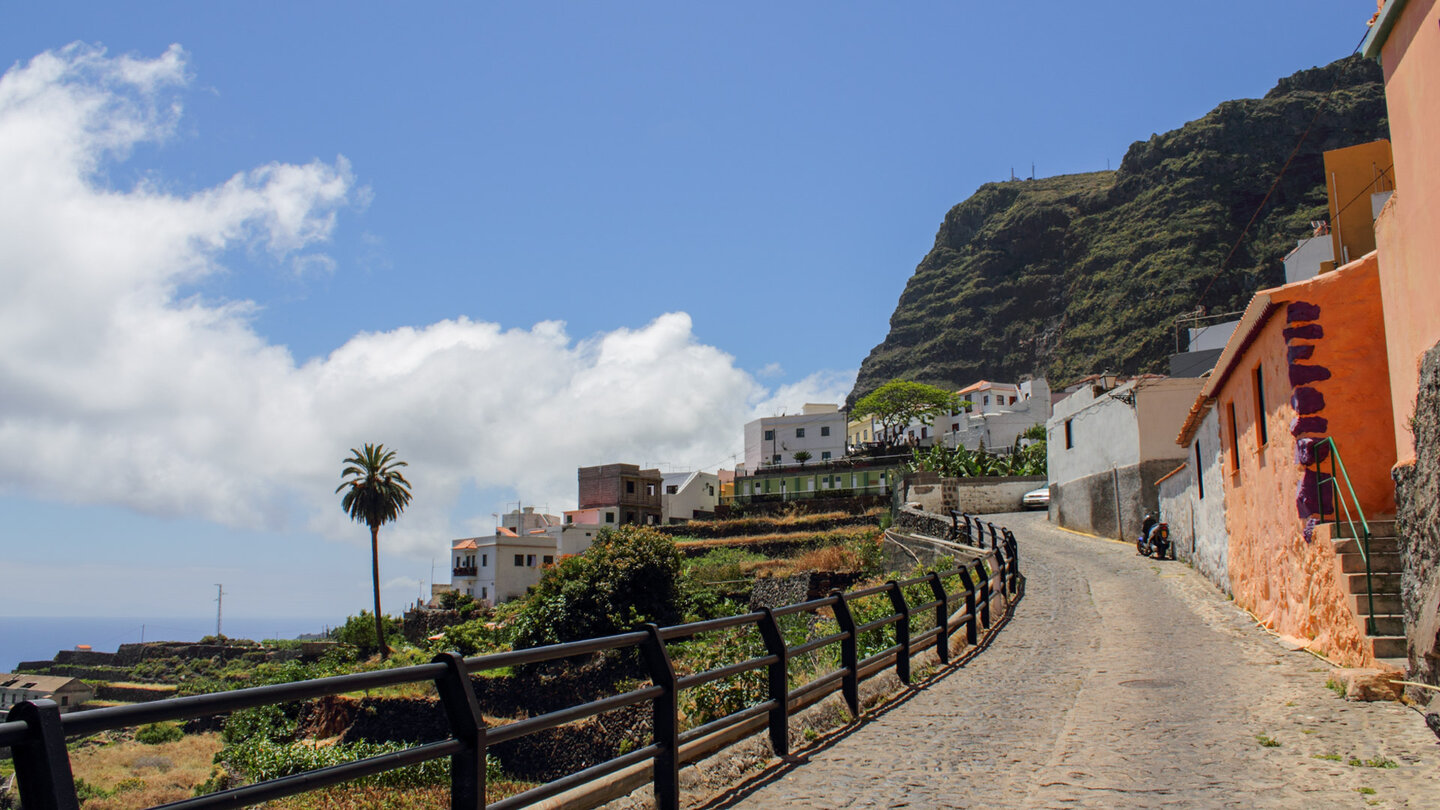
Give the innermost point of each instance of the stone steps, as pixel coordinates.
(1380, 583)
(1378, 528)
(1379, 546)
(1386, 624)
(1387, 646)
(1386, 604)
(1353, 563)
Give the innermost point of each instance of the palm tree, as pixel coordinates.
(375, 494)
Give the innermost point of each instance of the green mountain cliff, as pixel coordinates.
(1075, 274)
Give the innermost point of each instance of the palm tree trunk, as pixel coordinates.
(375, 576)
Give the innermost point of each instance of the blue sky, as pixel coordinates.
(506, 240)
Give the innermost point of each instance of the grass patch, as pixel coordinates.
(1328, 757)
(1377, 762)
(1365, 791)
(1267, 741)
(1336, 687)
(131, 775)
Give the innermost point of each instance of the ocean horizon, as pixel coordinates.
(37, 638)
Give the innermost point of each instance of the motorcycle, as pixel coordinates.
(1154, 539)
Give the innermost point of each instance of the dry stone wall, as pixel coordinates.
(1417, 500)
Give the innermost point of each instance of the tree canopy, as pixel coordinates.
(898, 403)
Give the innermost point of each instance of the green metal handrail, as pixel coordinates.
(1362, 534)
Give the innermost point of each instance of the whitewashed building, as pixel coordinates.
(773, 441)
(686, 496)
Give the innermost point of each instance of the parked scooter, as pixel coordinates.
(1154, 539)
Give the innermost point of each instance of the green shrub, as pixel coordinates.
(260, 760)
(157, 733)
(269, 723)
(629, 576)
(359, 632)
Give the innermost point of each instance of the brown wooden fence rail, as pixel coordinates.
(36, 731)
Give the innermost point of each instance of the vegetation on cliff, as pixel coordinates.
(1075, 274)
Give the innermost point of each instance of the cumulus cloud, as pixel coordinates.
(119, 387)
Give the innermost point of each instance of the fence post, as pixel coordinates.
(779, 683)
(902, 631)
(984, 577)
(972, 633)
(1013, 548)
(994, 539)
(942, 617)
(849, 655)
(1003, 568)
(969, 534)
(666, 720)
(42, 764)
(467, 724)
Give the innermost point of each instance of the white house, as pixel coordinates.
(68, 693)
(687, 496)
(774, 440)
(502, 566)
(1108, 443)
(1192, 498)
(997, 415)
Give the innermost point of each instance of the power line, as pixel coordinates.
(1324, 102)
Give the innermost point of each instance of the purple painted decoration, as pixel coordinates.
(1302, 374)
(1310, 451)
(1310, 331)
(1309, 424)
(1309, 501)
(1300, 311)
(1307, 401)
(1300, 351)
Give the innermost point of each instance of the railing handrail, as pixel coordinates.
(37, 736)
(1361, 535)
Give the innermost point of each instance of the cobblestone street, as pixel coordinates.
(1118, 682)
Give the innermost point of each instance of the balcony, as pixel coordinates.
(465, 571)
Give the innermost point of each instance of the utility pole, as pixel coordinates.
(219, 606)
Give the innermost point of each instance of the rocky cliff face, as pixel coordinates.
(1076, 274)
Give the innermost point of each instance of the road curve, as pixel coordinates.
(1119, 682)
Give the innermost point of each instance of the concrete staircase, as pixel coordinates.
(1387, 642)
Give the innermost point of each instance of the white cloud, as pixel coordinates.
(117, 387)
(820, 387)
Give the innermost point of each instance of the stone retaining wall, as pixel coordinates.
(1417, 501)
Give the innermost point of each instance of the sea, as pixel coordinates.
(25, 638)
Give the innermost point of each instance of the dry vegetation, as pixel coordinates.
(142, 775)
(839, 534)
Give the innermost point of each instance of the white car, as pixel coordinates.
(1036, 499)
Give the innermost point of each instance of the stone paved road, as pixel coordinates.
(1119, 682)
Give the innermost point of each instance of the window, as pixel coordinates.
(609, 517)
(799, 433)
(672, 489)
(519, 560)
(985, 400)
(549, 560)
(824, 430)
(1012, 400)
(1234, 440)
(530, 560)
(64, 700)
(924, 433)
(824, 455)
(1199, 472)
(769, 435)
(629, 517)
(775, 459)
(1260, 406)
(485, 560)
(650, 490)
(630, 487)
(484, 593)
(1069, 436)
(569, 518)
(954, 425)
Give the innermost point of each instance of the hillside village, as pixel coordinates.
(1292, 447)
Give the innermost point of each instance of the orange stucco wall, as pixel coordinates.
(1408, 231)
(1288, 580)
(1352, 174)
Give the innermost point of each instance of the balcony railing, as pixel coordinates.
(465, 571)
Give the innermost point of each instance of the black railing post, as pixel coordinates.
(972, 632)
(954, 525)
(994, 539)
(42, 764)
(902, 631)
(849, 655)
(467, 724)
(969, 532)
(984, 577)
(779, 684)
(942, 617)
(666, 720)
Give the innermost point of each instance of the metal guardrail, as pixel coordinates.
(36, 731)
(1362, 532)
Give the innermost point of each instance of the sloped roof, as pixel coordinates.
(41, 683)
